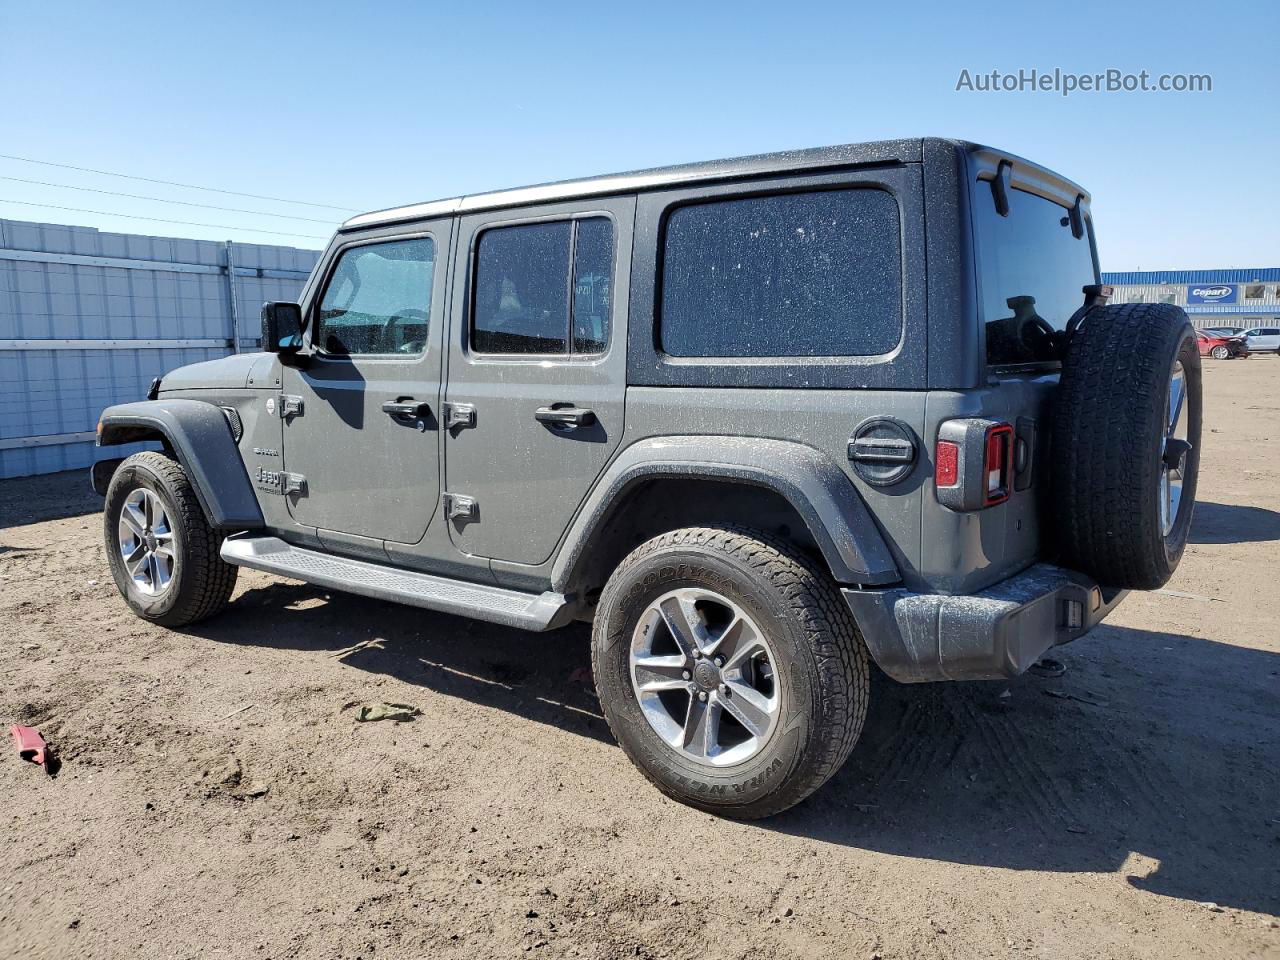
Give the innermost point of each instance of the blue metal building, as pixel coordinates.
(87, 318)
(1236, 297)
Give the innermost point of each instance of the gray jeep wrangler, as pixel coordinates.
(770, 424)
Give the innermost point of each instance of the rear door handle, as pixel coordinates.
(566, 416)
(407, 410)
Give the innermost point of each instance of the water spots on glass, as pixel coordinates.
(790, 275)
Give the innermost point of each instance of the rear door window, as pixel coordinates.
(816, 274)
(543, 288)
(592, 285)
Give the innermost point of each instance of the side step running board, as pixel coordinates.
(528, 611)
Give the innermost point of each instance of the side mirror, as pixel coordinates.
(281, 328)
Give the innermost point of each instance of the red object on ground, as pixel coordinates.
(31, 745)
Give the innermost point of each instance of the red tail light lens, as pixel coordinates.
(946, 471)
(997, 463)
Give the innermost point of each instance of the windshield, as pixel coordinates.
(1032, 268)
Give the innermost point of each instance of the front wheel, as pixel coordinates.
(1219, 353)
(162, 552)
(729, 669)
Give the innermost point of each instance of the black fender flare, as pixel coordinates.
(200, 437)
(821, 493)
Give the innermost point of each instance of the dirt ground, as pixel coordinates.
(216, 798)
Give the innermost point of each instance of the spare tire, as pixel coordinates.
(1126, 444)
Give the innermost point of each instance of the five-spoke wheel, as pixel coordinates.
(704, 676)
(146, 541)
(729, 668)
(162, 551)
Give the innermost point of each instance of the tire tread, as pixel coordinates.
(1103, 479)
(209, 580)
(843, 667)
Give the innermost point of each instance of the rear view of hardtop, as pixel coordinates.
(770, 424)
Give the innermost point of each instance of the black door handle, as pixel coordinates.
(407, 409)
(565, 416)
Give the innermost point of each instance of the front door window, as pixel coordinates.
(378, 300)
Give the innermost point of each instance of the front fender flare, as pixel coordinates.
(200, 437)
(821, 493)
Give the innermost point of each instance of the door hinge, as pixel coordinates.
(461, 415)
(459, 507)
(289, 406)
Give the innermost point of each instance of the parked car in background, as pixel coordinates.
(1263, 339)
(1222, 331)
(1220, 348)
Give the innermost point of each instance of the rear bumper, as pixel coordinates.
(999, 632)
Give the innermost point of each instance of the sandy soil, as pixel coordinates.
(217, 800)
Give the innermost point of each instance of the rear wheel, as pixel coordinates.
(729, 669)
(162, 552)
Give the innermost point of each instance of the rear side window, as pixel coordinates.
(543, 288)
(378, 299)
(814, 274)
(1033, 270)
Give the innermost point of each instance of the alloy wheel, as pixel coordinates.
(705, 677)
(1174, 450)
(146, 542)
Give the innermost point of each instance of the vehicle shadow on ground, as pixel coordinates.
(1233, 523)
(545, 677)
(1156, 755)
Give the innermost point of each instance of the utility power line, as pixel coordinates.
(174, 183)
(185, 203)
(187, 223)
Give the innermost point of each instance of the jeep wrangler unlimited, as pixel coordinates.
(765, 422)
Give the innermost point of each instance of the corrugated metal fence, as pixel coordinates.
(87, 319)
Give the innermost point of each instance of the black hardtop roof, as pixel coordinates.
(811, 160)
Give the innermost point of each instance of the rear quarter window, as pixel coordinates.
(815, 274)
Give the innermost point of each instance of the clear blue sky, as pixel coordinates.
(378, 104)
